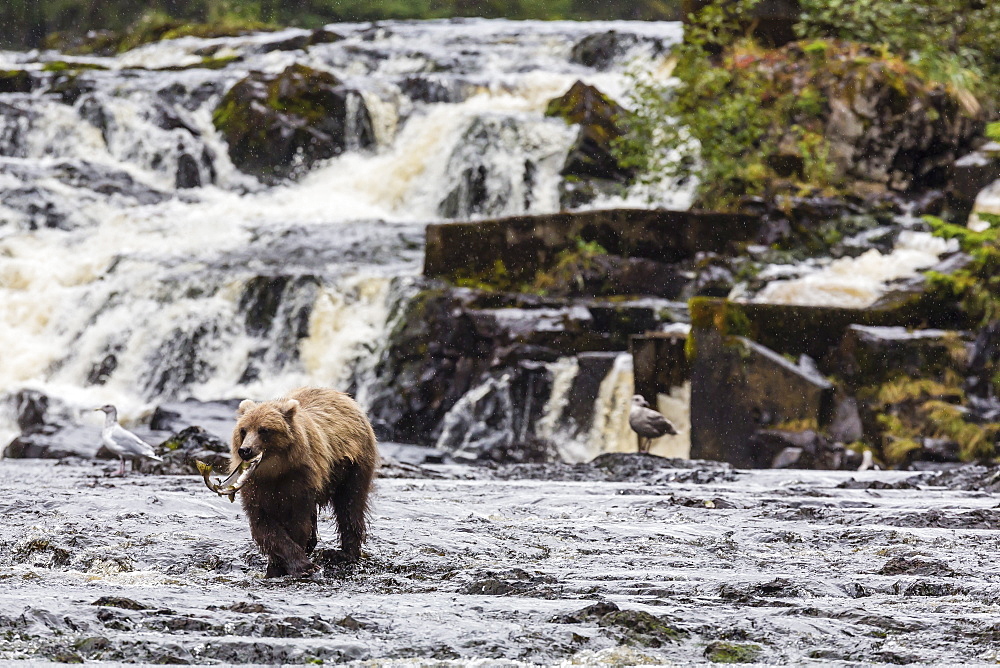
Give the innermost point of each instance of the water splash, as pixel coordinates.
(858, 282)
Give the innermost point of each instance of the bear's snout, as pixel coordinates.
(245, 453)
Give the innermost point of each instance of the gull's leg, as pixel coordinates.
(121, 468)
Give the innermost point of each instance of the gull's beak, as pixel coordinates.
(236, 479)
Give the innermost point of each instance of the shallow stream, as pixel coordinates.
(507, 564)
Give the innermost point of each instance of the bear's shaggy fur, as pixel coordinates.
(318, 450)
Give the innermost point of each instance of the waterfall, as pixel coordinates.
(139, 265)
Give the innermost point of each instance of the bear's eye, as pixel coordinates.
(263, 432)
(243, 434)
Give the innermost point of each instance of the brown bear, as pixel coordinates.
(316, 448)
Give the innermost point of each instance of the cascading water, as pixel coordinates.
(138, 264)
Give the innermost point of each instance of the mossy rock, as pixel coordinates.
(642, 628)
(152, 28)
(600, 120)
(277, 126)
(16, 81)
(729, 652)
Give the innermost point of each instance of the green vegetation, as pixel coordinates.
(975, 288)
(953, 42)
(908, 409)
(27, 22)
(749, 121)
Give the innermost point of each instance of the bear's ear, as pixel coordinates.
(245, 405)
(288, 408)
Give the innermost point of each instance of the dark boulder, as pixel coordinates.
(739, 387)
(217, 418)
(17, 81)
(49, 429)
(874, 355)
(181, 451)
(278, 125)
(806, 449)
(600, 120)
(602, 50)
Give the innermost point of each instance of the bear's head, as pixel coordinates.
(266, 431)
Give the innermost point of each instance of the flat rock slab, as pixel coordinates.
(781, 566)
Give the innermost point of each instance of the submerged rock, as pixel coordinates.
(278, 125)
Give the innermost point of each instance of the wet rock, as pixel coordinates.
(102, 370)
(622, 467)
(496, 420)
(16, 81)
(434, 89)
(916, 566)
(600, 120)
(807, 449)
(641, 628)
(727, 652)
(739, 386)
(277, 126)
(607, 275)
(526, 245)
(188, 172)
(391, 468)
(120, 602)
(49, 429)
(217, 418)
(874, 355)
(589, 614)
(924, 588)
(602, 50)
(714, 277)
(182, 451)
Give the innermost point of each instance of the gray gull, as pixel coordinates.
(647, 423)
(122, 442)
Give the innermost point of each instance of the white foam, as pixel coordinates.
(858, 282)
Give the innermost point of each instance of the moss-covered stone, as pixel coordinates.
(617, 251)
(279, 125)
(730, 652)
(591, 165)
(67, 66)
(599, 118)
(153, 27)
(16, 81)
(641, 628)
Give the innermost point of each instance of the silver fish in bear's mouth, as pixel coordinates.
(234, 481)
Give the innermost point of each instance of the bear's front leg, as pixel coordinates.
(284, 555)
(284, 546)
